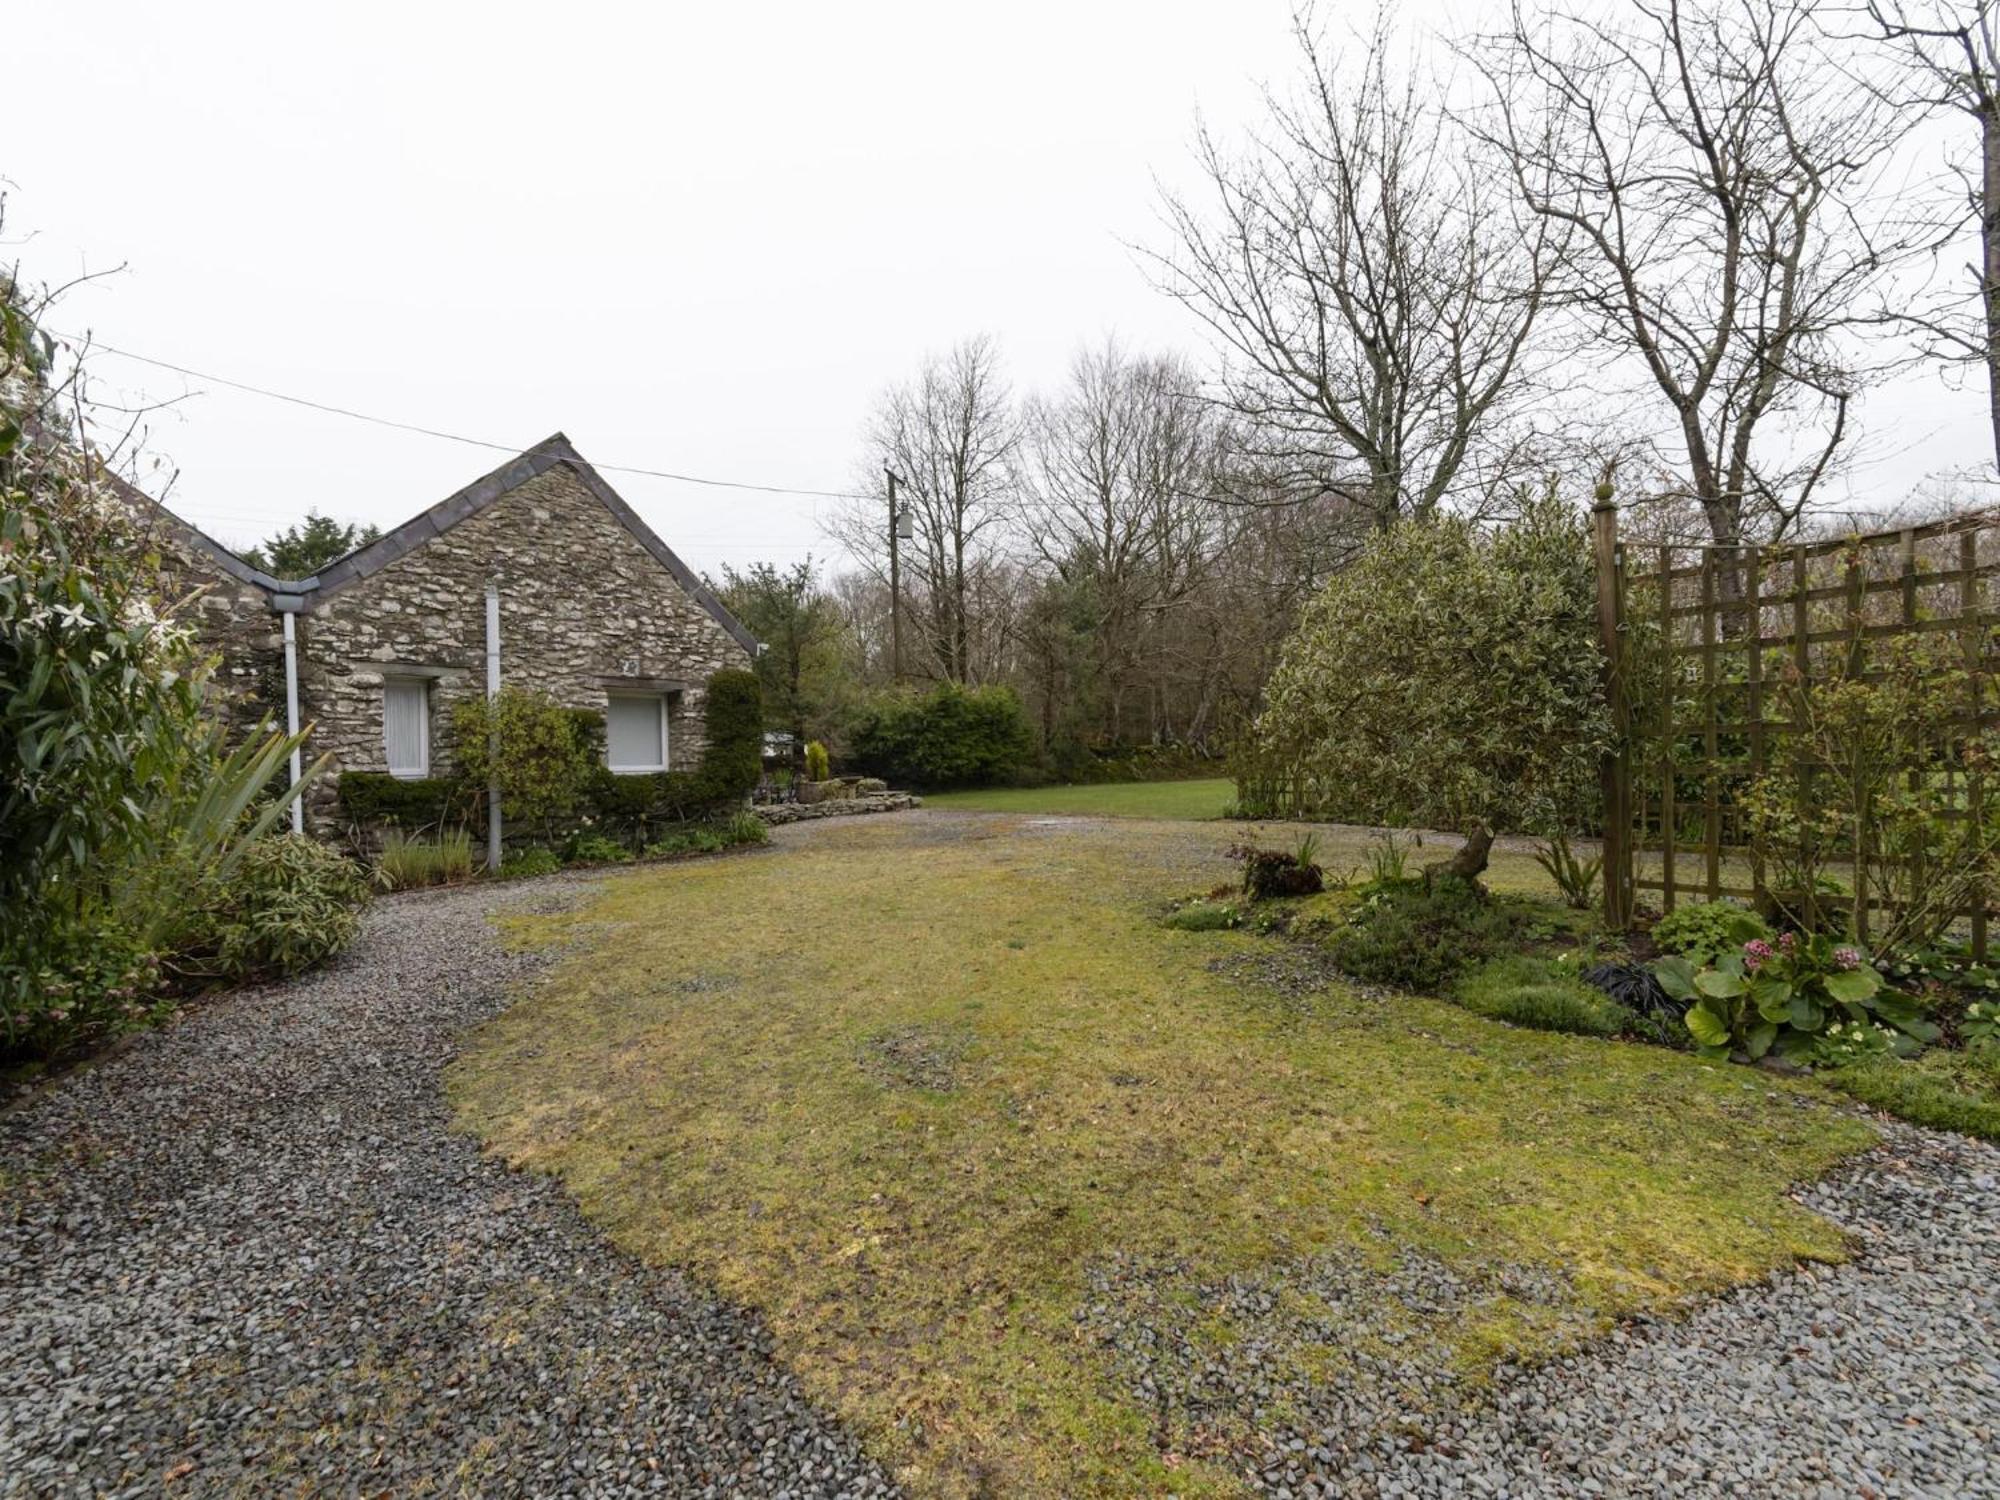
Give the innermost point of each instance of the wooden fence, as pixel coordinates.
(1705, 645)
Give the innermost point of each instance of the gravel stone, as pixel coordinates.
(1877, 1378)
(246, 1255)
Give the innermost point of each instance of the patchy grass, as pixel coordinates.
(911, 1087)
(1944, 1090)
(1184, 800)
(1528, 991)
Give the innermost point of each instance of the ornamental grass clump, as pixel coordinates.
(409, 863)
(1204, 916)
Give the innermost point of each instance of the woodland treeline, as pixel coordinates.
(1669, 245)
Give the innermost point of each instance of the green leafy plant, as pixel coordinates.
(524, 864)
(1783, 994)
(1389, 856)
(1705, 930)
(1940, 974)
(817, 766)
(288, 903)
(121, 790)
(587, 848)
(1204, 916)
(1419, 935)
(1847, 1042)
(1981, 1027)
(409, 863)
(1575, 876)
(534, 747)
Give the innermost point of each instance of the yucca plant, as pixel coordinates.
(1575, 876)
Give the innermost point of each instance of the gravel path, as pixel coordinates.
(246, 1256)
(1879, 1378)
(249, 1258)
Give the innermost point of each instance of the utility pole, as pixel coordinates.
(898, 529)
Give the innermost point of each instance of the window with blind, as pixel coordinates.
(635, 732)
(406, 726)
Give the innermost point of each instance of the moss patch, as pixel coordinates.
(1115, 1091)
(1529, 991)
(1944, 1090)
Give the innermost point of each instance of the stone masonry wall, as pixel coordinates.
(231, 618)
(581, 601)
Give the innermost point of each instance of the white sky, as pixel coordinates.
(693, 238)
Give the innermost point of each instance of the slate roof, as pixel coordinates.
(552, 452)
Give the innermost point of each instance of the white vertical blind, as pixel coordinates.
(635, 737)
(406, 726)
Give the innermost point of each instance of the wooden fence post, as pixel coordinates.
(1617, 768)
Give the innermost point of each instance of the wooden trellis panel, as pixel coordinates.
(1696, 638)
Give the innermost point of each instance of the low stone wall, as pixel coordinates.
(779, 813)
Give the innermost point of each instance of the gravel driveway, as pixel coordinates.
(246, 1256)
(252, 1260)
(1875, 1379)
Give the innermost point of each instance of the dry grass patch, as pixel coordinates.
(962, 1069)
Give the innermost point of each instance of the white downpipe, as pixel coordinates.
(492, 692)
(292, 716)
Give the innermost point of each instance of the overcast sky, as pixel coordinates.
(693, 238)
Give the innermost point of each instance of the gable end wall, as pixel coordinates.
(581, 599)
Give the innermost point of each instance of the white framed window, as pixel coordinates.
(406, 726)
(635, 733)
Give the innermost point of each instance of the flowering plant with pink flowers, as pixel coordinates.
(1779, 995)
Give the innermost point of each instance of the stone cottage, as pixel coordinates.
(539, 562)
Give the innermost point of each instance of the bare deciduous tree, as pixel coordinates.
(1374, 291)
(950, 435)
(1719, 182)
(1117, 472)
(1952, 61)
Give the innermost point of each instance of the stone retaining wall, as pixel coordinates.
(779, 813)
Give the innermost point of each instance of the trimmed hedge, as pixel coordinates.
(1073, 764)
(949, 736)
(373, 797)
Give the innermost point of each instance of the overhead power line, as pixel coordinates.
(450, 437)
